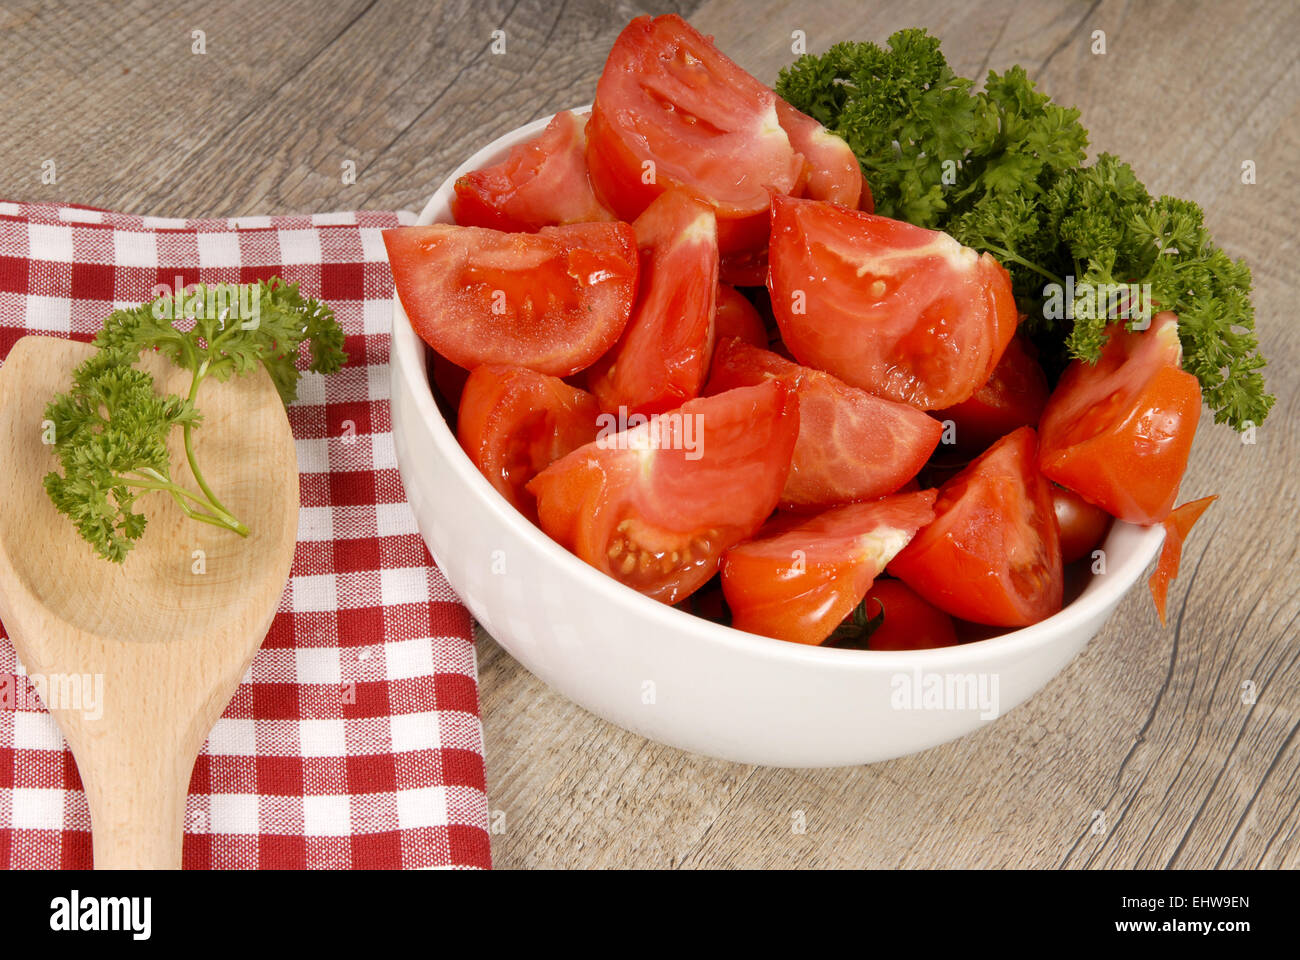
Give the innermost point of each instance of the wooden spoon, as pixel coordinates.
(173, 629)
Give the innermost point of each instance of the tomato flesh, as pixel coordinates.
(553, 301)
(909, 622)
(1177, 525)
(831, 170)
(737, 317)
(663, 358)
(1014, 396)
(673, 111)
(514, 422)
(993, 553)
(1119, 432)
(799, 583)
(656, 514)
(541, 183)
(906, 313)
(851, 446)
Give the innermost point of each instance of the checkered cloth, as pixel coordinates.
(354, 741)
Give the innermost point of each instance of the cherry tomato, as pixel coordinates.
(906, 313)
(541, 183)
(737, 317)
(831, 170)
(514, 423)
(1119, 432)
(909, 622)
(1082, 526)
(798, 583)
(553, 301)
(851, 446)
(671, 110)
(1014, 396)
(993, 554)
(1178, 525)
(656, 505)
(663, 358)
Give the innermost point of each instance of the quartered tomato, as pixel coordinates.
(993, 554)
(1082, 526)
(909, 623)
(663, 358)
(672, 111)
(831, 170)
(1014, 396)
(542, 183)
(1177, 525)
(906, 313)
(552, 301)
(1119, 432)
(798, 583)
(852, 445)
(515, 422)
(736, 317)
(656, 505)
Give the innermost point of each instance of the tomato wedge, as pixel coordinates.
(851, 446)
(663, 358)
(906, 313)
(831, 170)
(673, 111)
(1119, 432)
(737, 317)
(1177, 525)
(656, 506)
(1014, 396)
(541, 183)
(553, 301)
(514, 423)
(1082, 526)
(993, 554)
(909, 623)
(797, 584)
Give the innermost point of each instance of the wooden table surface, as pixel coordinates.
(1146, 751)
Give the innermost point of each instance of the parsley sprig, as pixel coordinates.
(1002, 170)
(111, 428)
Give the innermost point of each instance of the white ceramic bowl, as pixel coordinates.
(685, 681)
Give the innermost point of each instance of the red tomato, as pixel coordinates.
(542, 183)
(656, 513)
(663, 358)
(1014, 396)
(515, 422)
(831, 170)
(1178, 525)
(552, 301)
(1082, 526)
(1119, 432)
(671, 110)
(745, 269)
(868, 202)
(910, 623)
(993, 554)
(798, 584)
(448, 382)
(851, 446)
(737, 317)
(906, 313)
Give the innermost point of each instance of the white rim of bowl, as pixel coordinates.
(408, 354)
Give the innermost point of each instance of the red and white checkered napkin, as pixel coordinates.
(354, 741)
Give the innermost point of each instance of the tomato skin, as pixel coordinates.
(906, 313)
(1013, 396)
(514, 422)
(668, 97)
(553, 301)
(541, 183)
(993, 553)
(663, 357)
(1119, 433)
(737, 317)
(658, 519)
(1082, 526)
(831, 170)
(851, 446)
(798, 583)
(1177, 526)
(910, 623)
